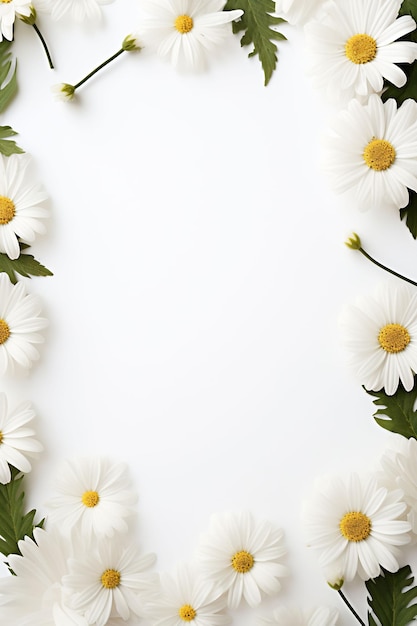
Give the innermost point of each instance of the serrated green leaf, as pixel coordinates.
(398, 411)
(8, 147)
(8, 78)
(257, 22)
(409, 7)
(25, 265)
(392, 598)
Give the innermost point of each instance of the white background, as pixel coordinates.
(199, 273)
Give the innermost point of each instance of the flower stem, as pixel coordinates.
(45, 47)
(100, 67)
(350, 607)
(387, 269)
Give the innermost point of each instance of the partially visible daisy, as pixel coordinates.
(355, 47)
(20, 210)
(357, 528)
(9, 9)
(283, 616)
(77, 10)
(109, 581)
(185, 597)
(371, 152)
(242, 557)
(185, 29)
(380, 332)
(19, 325)
(298, 11)
(16, 439)
(94, 495)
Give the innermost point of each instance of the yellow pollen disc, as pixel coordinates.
(355, 526)
(7, 207)
(110, 579)
(4, 331)
(1, 437)
(361, 49)
(242, 562)
(184, 24)
(379, 154)
(187, 613)
(5, 1)
(90, 499)
(393, 338)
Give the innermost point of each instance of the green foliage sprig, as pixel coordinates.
(8, 79)
(25, 265)
(7, 146)
(397, 412)
(392, 598)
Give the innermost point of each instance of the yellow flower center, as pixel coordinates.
(394, 338)
(7, 207)
(242, 562)
(360, 48)
(379, 154)
(355, 526)
(4, 331)
(90, 498)
(184, 24)
(1, 437)
(187, 613)
(110, 579)
(5, 1)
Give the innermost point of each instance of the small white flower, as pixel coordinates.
(63, 92)
(356, 527)
(94, 495)
(354, 48)
(283, 616)
(371, 153)
(19, 325)
(298, 11)
(77, 10)
(242, 558)
(16, 439)
(8, 11)
(185, 29)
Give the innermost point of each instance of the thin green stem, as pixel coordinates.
(45, 47)
(100, 67)
(387, 269)
(350, 607)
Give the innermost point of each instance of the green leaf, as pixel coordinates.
(8, 79)
(392, 598)
(8, 147)
(409, 7)
(399, 414)
(25, 265)
(257, 22)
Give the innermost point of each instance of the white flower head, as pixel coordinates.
(356, 526)
(8, 12)
(94, 495)
(76, 10)
(371, 153)
(20, 210)
(319, 616)
(63, 92)
(298, 11)
(242, 557)
(185, 29)
(16, 439)
(380, 333)
(186, 597)
(19, 325)
(355, 47)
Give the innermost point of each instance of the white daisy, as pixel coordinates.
(9, 9)
(380, 332)
(356, 526)
(185, 29)
(95, 495)
(242, 558)
(298, 11)
(354, 48)
(319, 616)
(77, 10)
(371, 152)
(108, 581)
(20, 213)
(16, 439)
(186, 598)
(19, 325)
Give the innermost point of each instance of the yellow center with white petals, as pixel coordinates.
(187, 613)
(90, 499)
(184, 24)
(394, 338)
(379, 154)
(355, 526)
(361, 48)
(110, 579)
(242, 562)
(7, 207)
(4, 331)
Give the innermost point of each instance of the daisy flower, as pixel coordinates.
(20, 213)
(371, 152)
(186, 598)
(354, 48)
(19, 323)
(108, 581)
(77, 10)
(94, 495)
(8, 12)
(298, 11)
(320, 616)
(185, 29)
(380, 332)
(242, 558)
(356, 526)
(16, 439)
